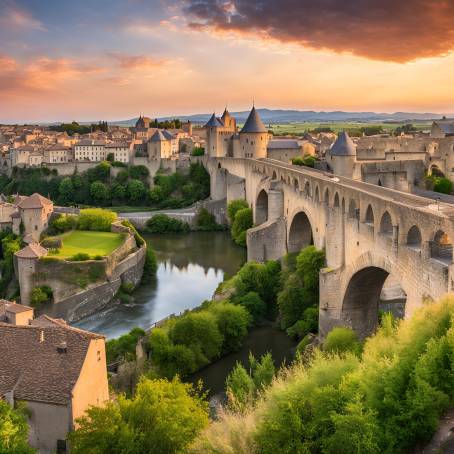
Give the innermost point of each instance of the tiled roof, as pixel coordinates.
(254, 123)
(283, 143)
(34, 201)
(158, 136)
(17, 308)
(33, 250)
(446, 126)
(213, 121)
(33, 366)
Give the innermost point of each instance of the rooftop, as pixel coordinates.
(34, 201)
(254, 123)
(33, 250)
(343, 146)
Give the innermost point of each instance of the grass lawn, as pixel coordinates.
(92, 243)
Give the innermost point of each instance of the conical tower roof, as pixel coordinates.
(226, 114)
(213, 121)
(254, 123)
(158, 136)
(343, 146)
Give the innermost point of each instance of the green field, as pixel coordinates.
(301, 128)
(91, 243)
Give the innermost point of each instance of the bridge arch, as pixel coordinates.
(414, 239)
(326, 197)
(436, 171)
(300, 233)
(363, 292)
(369, 218)
(261, 207)
(386, 224)
(317, 194)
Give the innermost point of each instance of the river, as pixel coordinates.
(190, 267)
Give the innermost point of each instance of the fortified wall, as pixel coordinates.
(81, 288)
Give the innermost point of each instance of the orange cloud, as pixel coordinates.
(387, 30)
(125, 61)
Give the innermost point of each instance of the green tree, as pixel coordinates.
(341, 340)
(252, 302)
(136, 190)
(13, 430)
(241, 223)
(96, 219)
(156, 195)
(118, 191)
(234, 206)
(198, 331)
(139, 172)
(163, 417)
(66, 190)
(206, 221)
(99, 192)
(233, 322)
(240, 388)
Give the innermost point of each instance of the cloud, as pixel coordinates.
(388, 30)
(14, 17)
(41, 74)
(126, 61)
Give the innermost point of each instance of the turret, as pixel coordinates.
(341, 157)
(211, 128)
(228, 120)
(254, 137)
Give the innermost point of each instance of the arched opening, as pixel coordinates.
(442, 247)
(336, 200)
(379, 182)
(386, 224)
(274, 177)
(219, 166)
(414, 238)
(353, 211)
(369, 219)
(296, 184)
(300, 233)
(371, 291)
(326, 198)
(436, 171)
(307, 189)
(317, 194)
(261, 208)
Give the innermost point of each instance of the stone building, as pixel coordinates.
(121, 151)
(90, 150)
(57, 154)
(341, 157)
(56, 370)
(35, 213)
(442, 128)
(15, 314)
(160, 145)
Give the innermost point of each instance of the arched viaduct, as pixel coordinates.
(368, 232)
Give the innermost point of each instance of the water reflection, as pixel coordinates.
(190, 268)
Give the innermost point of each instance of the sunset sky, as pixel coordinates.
(112, 59)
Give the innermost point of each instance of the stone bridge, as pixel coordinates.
(368, 233)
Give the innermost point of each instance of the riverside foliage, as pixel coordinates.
(386, 400)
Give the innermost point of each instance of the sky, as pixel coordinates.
(114, 59)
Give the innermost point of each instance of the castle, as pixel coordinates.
(253, 140)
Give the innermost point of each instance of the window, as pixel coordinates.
(61, 446)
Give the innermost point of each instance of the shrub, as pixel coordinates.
(252, 302)
(96, 219)
(162, 223)
(65, 222)
(52, 243)
(342, 340)
(207, 221)
(443, 185)
(241, 223)
(124, 347)
(198, 151)
(307, 161)
(234, 206)
(14, 429)
(79, 257)
(40, 295)
(308, 324)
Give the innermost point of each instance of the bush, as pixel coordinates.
(308, 324)
(124, 347)
(442, 185)
(79, 257)
(307, 161)
(65, 222)
(52, 243)
(242, 222)
(14, 429)
(40, 296)
(342, 340)
(206, 221)
(198, 151)
(161, 223)
(252, 302)
(96, 219)
(234, 206)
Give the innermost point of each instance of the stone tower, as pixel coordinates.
(341, 157)
(254, 137)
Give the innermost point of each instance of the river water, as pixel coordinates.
(190, 267)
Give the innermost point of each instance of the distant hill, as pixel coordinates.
(298, 116)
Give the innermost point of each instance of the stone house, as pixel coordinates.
(57, 371)
(15, 314)
(35, 213)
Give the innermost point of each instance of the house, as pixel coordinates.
(35, 213)
(58, 372)
(442, 128)
(15, 314)
(90, 150)
(121, 151)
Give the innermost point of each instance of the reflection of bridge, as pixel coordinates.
(368, 232)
